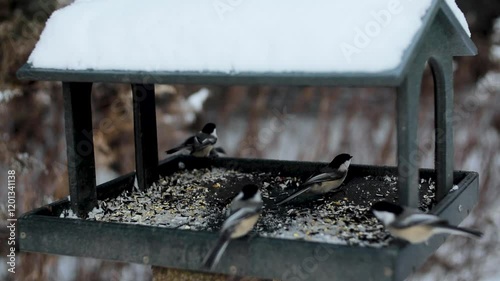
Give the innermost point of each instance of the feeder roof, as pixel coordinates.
(180, 40)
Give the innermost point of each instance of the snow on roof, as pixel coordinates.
(459, 15)
(231, 36)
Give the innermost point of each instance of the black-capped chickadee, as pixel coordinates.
(244, 212)
(413, 225)
(201, 144)
(326, 179)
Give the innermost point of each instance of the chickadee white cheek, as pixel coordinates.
(386, 217)
(257, 197)
(344, 166)
(214, 133)
(239, 196)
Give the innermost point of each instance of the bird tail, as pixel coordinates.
(213, 257)
(450, 229)
(291, 197)
(175, 149)
(220, 150)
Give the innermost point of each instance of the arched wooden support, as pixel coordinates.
(80, 147)
(408, 94)
(442, 71)
(145, 135)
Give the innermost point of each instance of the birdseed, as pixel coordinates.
(196, 200)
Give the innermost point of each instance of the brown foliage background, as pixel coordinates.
(314, 124)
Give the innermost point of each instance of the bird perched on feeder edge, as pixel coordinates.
(326, 179)
(201, 144)
(244, 212)
(415, 226)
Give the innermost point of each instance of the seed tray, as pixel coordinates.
(272, 251)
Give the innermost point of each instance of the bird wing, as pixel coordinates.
(241, 214)
(322, 175)
(327, 176)
(188, 143)
(237, 205)
(322, 172)
(203, 140)
(417, 218)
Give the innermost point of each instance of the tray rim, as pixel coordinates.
(35, 218)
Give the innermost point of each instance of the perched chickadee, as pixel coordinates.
(326, 179)
(413, 225)
(244, 212)
(201, 144)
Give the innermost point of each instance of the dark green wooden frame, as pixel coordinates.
(440, 38)
(43, 231)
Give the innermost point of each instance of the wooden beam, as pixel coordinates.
(80, 147)
(145, 135)
(442, 71)
(407, 106)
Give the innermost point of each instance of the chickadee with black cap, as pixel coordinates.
(415, 226)
(244, 212)
(326, 179)
(201, 144)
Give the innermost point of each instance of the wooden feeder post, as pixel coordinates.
(145, 136)
(80, 147)
(177, 254)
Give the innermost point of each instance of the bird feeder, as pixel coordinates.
(388, 46)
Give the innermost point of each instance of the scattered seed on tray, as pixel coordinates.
(196, 200)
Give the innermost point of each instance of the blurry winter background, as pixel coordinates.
(264, 122)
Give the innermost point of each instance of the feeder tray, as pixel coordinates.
(43, 230)
(440, 37)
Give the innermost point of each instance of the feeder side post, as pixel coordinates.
(80, 147)
(407, 107)
(145, 134)
(442, 71)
